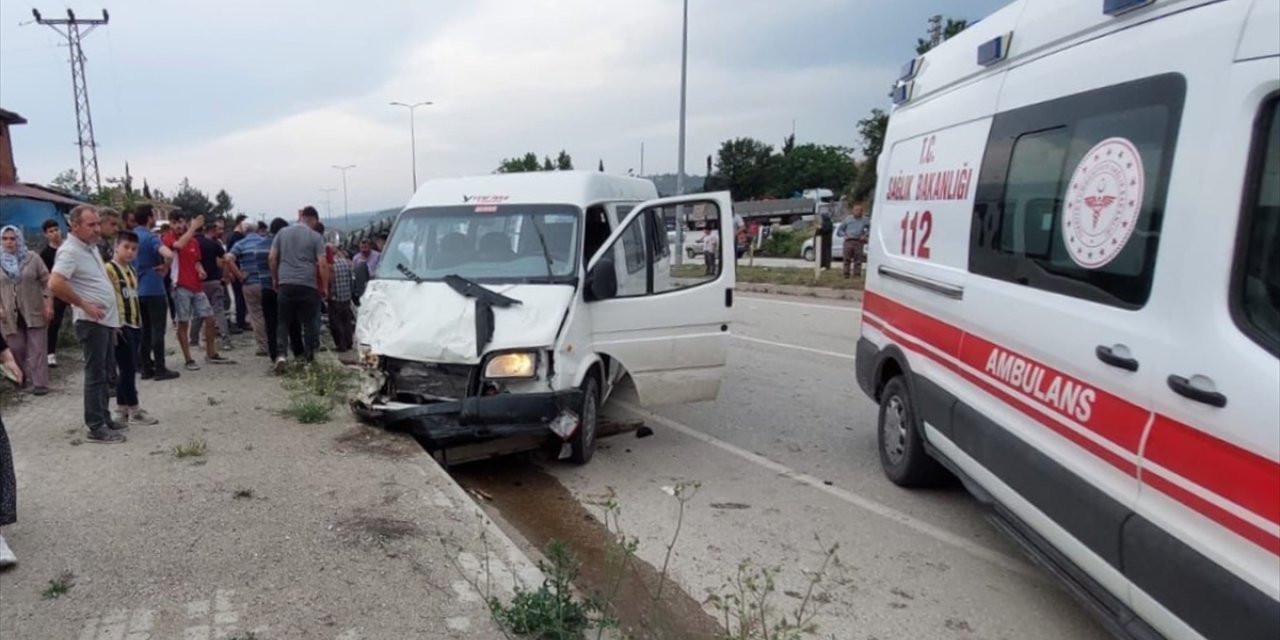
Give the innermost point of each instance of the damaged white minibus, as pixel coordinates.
(505, 310)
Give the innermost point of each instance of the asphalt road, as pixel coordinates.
(786, 461)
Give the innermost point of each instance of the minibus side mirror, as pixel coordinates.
(602, 281)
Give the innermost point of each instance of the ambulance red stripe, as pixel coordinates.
(1246, 479)
(1240, 476)
(1126, 466)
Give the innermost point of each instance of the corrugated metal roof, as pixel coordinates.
(9, 117)
(35, 193)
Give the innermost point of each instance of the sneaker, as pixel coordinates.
(165, 374)
(192, 366)
(281, 364)
(147, 375)
(105, 436)
(120, 419)
(218, 359)
(7, 559)
(141, 417)
(119, 425)
(40, 391)
(53, 359)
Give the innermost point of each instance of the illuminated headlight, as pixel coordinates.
(507, 366)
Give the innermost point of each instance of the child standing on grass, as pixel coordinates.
(129, 341)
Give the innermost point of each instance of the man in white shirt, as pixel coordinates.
(80, 279)
(711, 249)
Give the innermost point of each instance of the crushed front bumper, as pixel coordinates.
(443, 424)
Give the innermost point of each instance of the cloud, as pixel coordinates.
(594, 77)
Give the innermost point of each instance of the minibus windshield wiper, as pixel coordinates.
(546, 253)
(408, 273)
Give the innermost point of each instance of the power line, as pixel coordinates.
(72, 31)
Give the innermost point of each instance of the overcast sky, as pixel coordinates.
(261, 98)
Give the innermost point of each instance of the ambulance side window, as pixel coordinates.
(1255, 295)
(1071, 194)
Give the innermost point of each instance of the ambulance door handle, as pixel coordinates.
(1186, 389)
(1116, 356)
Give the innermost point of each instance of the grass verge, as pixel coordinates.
(832, 278)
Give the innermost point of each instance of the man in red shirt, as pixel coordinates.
(189, 300)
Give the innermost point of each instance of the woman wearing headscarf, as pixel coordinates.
(26, 307)
(8, 482)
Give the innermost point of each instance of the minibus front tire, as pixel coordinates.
(583, 443)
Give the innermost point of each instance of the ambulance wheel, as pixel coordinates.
(902, 452)
(583, 443)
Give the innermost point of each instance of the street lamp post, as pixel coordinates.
(684, 77)
(345, 213)
(413, 135)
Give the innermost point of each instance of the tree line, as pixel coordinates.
(120, 193)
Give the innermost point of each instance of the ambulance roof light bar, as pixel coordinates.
(1117, 7)
(902, 92)
(994, 50)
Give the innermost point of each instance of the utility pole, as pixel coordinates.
(641, 159)
(345, 213)
(328, 204)
(71, 30)
(684, 87)
(413, 138)
(935, 31)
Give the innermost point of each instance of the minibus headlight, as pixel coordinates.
(512, 365)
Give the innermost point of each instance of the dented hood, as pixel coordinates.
(430, 322)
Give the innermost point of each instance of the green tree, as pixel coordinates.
(601, 169)
(952, 27)
(527, 162)
(564, 162)
(222, 204)
(744, 166)
(547, 165)
(871, 131)
(191, 200)
(68, 180)
(146, 190)
(810, 166)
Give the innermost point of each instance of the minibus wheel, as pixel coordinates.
(583, 442)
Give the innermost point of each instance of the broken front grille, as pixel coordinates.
(425, 381)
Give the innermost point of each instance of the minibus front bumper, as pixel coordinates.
(450, 423)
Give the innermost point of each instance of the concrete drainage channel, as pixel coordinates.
(533, 506)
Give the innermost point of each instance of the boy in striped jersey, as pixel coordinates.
(129, 340)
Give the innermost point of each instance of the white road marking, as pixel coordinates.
(834, 354)
(829, 307)
(937, 533)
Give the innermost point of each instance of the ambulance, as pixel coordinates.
(507, 309)
(1073, 299)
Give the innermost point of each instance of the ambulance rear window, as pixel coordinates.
(1256, 295)
(1072, 191)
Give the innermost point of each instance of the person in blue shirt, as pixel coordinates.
(248, 259)
(152, 266)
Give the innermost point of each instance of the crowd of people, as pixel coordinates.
(125, 278)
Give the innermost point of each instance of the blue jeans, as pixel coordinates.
(127, 366)
(96, 342)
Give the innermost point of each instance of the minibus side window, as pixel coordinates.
(1072, 191)
(1255, 296)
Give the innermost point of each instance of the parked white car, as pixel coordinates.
(836, 249)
